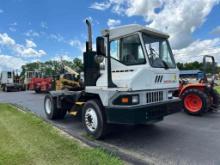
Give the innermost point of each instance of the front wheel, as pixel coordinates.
(94, 119)
(195, 102)
(51, 110)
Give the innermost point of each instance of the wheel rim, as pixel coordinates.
(48, 105)
(193, 102)
(91, 119)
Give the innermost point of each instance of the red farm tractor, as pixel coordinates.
(200, 97)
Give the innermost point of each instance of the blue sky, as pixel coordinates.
(33, 30)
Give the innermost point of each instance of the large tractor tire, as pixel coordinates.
(94, 119)
(195, 102)
(51, 110)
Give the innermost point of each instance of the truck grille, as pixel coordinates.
(153, 97)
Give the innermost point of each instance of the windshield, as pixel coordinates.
(128, 50)
(159, 52)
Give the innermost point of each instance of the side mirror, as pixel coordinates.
(100, 46)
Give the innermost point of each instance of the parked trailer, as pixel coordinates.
(10, 82)
(135, 86)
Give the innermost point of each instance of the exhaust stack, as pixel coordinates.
(89, 42)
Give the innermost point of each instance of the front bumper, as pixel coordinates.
(142, 114)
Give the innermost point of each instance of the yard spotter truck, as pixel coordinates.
(129, 79)
(9, 81)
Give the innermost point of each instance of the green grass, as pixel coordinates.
(27, 140)
(218, 89)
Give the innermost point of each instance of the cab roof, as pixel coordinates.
(120, 31)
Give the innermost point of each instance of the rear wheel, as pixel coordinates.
(195, 102)
(94, 119)
(51, 110)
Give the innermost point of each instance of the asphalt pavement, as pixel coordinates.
(178, 139)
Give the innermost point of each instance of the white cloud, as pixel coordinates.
(44, 25)
(176, 17)
(57, 37)
(31, 33)
(12, 29)
(78, 44)
(21, 50)
(179, 18)
(112, 23)
(30, 52)
(197, 49)
(216, 30)
(10, 62)
(63, 56)
(30, 44)
(100, 6)
(6, 40)
(14, 24)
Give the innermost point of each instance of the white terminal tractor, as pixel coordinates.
(131, 78)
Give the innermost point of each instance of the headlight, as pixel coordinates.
(135, 99)
(170, 95)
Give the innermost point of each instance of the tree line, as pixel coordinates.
(197, 66)
(52, 67)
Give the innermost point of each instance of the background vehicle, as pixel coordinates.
(68, 80)
(29, 75)
(10, 81)
(200, 97)
(40, 85)
(134, 86)
(34, 80)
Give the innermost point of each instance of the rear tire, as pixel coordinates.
(94, 119)
(51, 110)
(195, 102)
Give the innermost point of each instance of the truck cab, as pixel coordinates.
(143, 77)
(131, 78)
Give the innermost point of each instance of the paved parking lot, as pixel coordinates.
(179, 139)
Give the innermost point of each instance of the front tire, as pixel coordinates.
(51, 110)
(195, 102)
(94, 119)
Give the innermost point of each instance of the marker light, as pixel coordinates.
(124, 99)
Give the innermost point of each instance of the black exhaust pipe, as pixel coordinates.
(89, 42)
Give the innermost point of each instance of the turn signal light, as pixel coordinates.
(124, 100)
